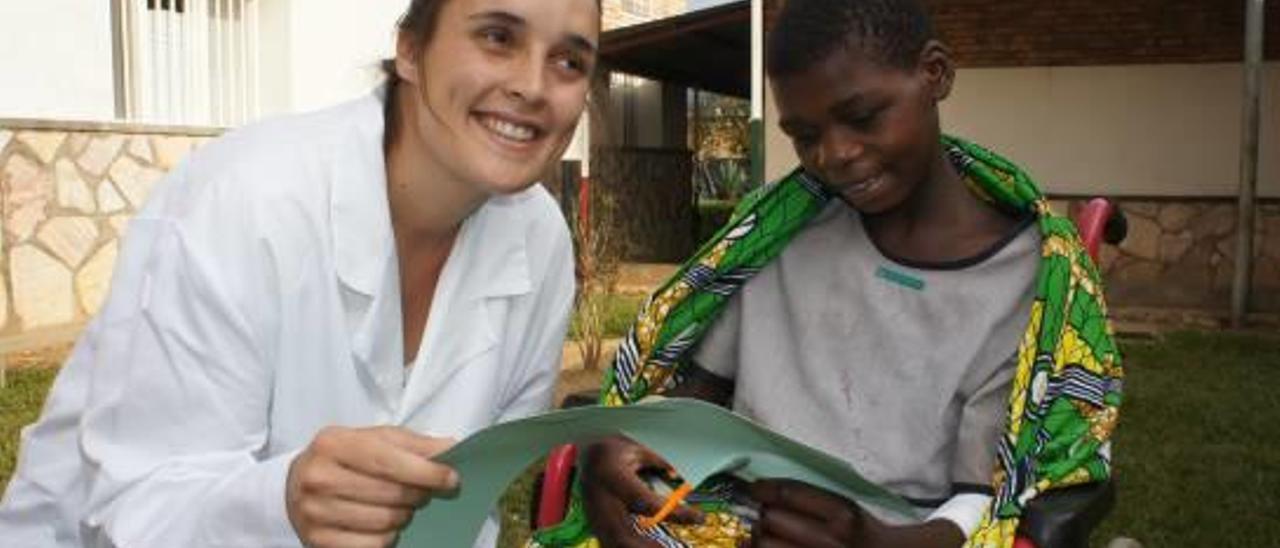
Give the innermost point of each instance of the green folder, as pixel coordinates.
(698, 438)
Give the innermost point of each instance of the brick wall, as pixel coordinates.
(985, 33)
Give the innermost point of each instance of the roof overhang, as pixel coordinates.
(707, 49)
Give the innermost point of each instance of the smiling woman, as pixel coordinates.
(495, 91)
(311, 308)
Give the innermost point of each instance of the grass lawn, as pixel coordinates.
(1197, 453)
(20, 403)
(620, 312)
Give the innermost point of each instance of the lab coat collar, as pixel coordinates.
(362, 237)
(489, 260)
(499, 248)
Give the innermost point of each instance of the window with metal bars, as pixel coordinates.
(188, 62)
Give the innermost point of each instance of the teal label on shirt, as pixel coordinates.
(901, 278)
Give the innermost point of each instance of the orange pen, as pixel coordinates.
(673, 501)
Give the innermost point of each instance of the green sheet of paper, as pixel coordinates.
(698, 438)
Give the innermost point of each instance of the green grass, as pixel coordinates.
(620, 312)
(20, 403)
(1197, 453)
(1197, 450)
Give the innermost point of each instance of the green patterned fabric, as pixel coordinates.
(1066, 391)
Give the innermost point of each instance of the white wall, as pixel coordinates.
(333, 49)
(1157, 130)
(275, 51)
(55, 55)
(55, 59)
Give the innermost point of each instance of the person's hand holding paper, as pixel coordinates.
(698, 439)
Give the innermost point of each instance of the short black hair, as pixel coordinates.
(805, 32)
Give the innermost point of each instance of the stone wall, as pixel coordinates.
(1180, 253)
(614, 14)
(66, 194)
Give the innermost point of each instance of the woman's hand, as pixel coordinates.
(356, 487)
(613, 490)
(796, 514)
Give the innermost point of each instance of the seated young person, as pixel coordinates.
(912, 306)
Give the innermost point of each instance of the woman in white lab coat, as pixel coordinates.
(310, 308)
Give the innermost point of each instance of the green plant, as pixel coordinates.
(733, 179)
(618, 312)
(599, 254)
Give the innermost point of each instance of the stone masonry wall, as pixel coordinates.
(615, 14)
(66, 195)
(1180, 253)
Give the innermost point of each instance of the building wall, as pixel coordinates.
(1091, 32)
(57, 62)
(1097, 32)
(334, 50)
(1171, 164)
(1136, 100)
(1181, 253)
(68, 192)
(615, 13)
(1141, 130)
(55, 58)
(1149, 130)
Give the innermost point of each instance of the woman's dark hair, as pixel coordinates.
(418, 23)
(893, 32)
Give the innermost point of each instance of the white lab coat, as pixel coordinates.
(255, 301)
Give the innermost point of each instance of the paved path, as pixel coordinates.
(643, 277)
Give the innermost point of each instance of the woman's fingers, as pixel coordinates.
(391, 454)
(358, 487)
(357, 516)
(330, 479)
(339, 538)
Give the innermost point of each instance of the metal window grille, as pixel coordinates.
(189, 62)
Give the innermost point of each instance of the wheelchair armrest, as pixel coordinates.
(551, 489)
(1064, 518)
(579, 399)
